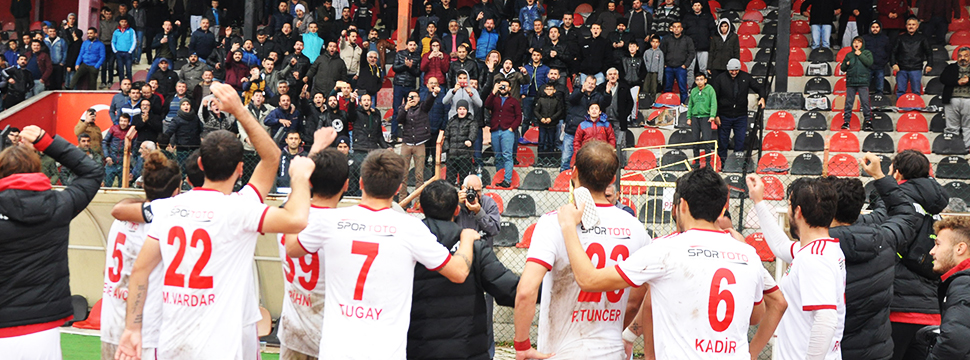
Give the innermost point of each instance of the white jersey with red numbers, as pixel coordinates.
(302, 316)
(703, 287)
(575, 324)
(814, 281)
(125, 240)
(369, 269)
(207, 241)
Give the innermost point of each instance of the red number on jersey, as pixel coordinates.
(595, 249)
(368, 249)
(312, 269)
(114, 273)
(196, 280)
(717, 296)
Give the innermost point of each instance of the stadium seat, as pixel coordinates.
(812, 120)
(653, 212)
(838, 120)
(763, 55)
(773, 163)
(139, 75)
(957, 189)
(798, 40)
(770, 26)
(736, 186)
(650, 137)
(933, 87)
(747, 41)
(537, 179)
(806, 164)
(937, 123)
(959, 24)
(714, 5)
(842, 53)
(525, 156)
(912, 122)
(910, 101)
(953, 167)
(36, 26)
(760, 68)
(746, 55)
(878, 142)
(844, 141)
(526, 237)
(673, 160)
(753, 16)
(642, 159)
(839, 87)
(532, 135)
(584, 8)
(780, 120)
(561, 184)
(821, 55)
(735, 163)
(629, 189)
(774, 188)
(960, 38)
(9, 26)
(817, 85)
(936, 100)
(795, 69)
(671, 98)
(767, 41)
(624, 137)
(520, 206)
(881, 101)
(809, 141)
(665, 177)
(949, 144)
(881, 122)
(385, 97)
(797, 54)
(757, 241)
(116, 86)
(749, 28)
(839, 104)
(500, 176)
(498, 200)
(885, 161)
(508, 234)
(914, 141)
(93, 322)
(681, 136)
(776, 141)
(843, 165)
(801, 27)
(756, 5)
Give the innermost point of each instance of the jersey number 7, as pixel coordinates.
(368, 249)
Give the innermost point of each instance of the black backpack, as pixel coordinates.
(917, 257)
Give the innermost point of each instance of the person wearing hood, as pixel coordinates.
(302, 19)
(879, 44)
(549, 110)
(732, 90)
(123, 44)
(869, 258)
(702, 115)
(459, 138)
(724, 47)
(594, 127)
(185, 132)
(699, 25)
(821, 18)
(956, 95)
(856, 65)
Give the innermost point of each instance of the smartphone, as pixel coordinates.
(590, 216)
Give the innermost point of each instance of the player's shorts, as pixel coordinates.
(42, 345)
(287, 354)
(108, 352)
(250, 343)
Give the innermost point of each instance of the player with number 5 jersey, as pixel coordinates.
(706, 288)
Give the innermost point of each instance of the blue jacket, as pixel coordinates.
(124, 41)
(92, 54)
(250, 58)
(536, 78)
(11, 56)
(312, 46)
(487, 41)
(528, 15)
(437, 117)
(202, 43)
(58, 50)
(117, 102)
(274, 117)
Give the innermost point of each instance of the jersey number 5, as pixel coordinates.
(200, 238)
(114, 273)
(619, 252)
(368, 249)
(717, 296)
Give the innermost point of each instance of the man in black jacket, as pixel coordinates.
(731, 89)
(821, 18)
(678, 54)
(416, 130)
(877, 43)
(576, 107)
(909, 53)
(407, 68)
(869, 259)
(699, 26)
(36, 222)
(951, 257)
(448, 321)
(594, 55)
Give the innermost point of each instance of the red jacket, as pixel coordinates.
(589, 131)
(504, 117)
(893, 6)
(435, 68)
(236, 72)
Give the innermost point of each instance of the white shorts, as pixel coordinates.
(43, 345)
(108, 352)
(250, 344)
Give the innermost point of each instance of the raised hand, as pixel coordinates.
(228, 96)
(756, 188)
(301, 166)
(872, 165)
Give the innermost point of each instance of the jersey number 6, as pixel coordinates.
(717, 296)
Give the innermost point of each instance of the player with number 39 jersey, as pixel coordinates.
(302, 316)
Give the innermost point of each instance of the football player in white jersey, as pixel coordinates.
(577, 324)
(369, 252)
(206, 240)
(706, 288)
(814, 284)
(162, 179)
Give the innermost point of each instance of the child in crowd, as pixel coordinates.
(460, 135)
(856, 65)
(549, 110)
(702, 114)
(653, 61)
(595, 127)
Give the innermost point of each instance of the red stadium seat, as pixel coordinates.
(714, 5)
(757, 241)
(139, 75)
(584, 8)
(561, 184)
(838, 120)
(500, 176)
(747, 41)
(532, 135)
(914, 141)
(651, 137)
(773, 163)
(578, 19)
(498, 201)
(753, 15)
(776, 141)
(642, 159)
(774, 189)
(959, 24)
(633, 189)
(910, 101)
(795, 68)
(670, 98)
(36, 26)
(526, 237)
(961, 37)
(798, 5)
(526, 156)
(749, 28)
(912, 122)
(798, 40)
(746, 55)
(653, 116)
(842, 53)
(801, 27)
(839, 88)
(844, 141)
(780, 120)
(744, 67)
(93, 321)
(756, 5)
(843, 165)
(796, 54)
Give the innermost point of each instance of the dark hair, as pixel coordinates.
(126, 116)
(382, 172)
(18, 160)
(330, 172)
(192, 171)
(83, 136)
(817, 200)
(93, 29)
(439, 200)
(161, 176)
(221, 153)
(911, 164)
(700, 74)
(516, 21)
(851, 197)
(705, 193)
(596, 165)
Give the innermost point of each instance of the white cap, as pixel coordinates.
(300, 8)
(734, 64)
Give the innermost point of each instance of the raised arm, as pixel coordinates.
(89, 173)
(292, 217)
(778, 241)
(457, 271)
(264, 175)
(322, 138)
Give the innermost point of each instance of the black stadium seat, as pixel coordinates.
(767, 41)
(953, 167)
(881, 101)
(958, 189)
(763, 55)
(770, 27)
(882, 122)
(949, 144)
(821, 55)
(736, 185)
(813, 120)
(759, 69)
(879, 142)
(933, 87)
(884, 162)
(652, 212)
(521, 205)
(809, 141)
(662, 177)
(937, 123)
(537, 179)
(671, 157)
(508, 234)
(936, 100)
(681, 136)
(806, 164)
(817, 85)
(735, 162)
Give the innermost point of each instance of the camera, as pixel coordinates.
(501, 87)
(471, 195)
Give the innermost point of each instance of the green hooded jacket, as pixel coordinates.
(856, 67)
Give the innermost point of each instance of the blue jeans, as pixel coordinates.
(124, 65)
(740, 127)
(138, 38)
(823, 31)
(681, 75)
(502, 143)
(478, 148)
(567, 151)
(600, 78)
(876, 79)
(112, 172)
(911, 77)
(547, 140)
(400, 93)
